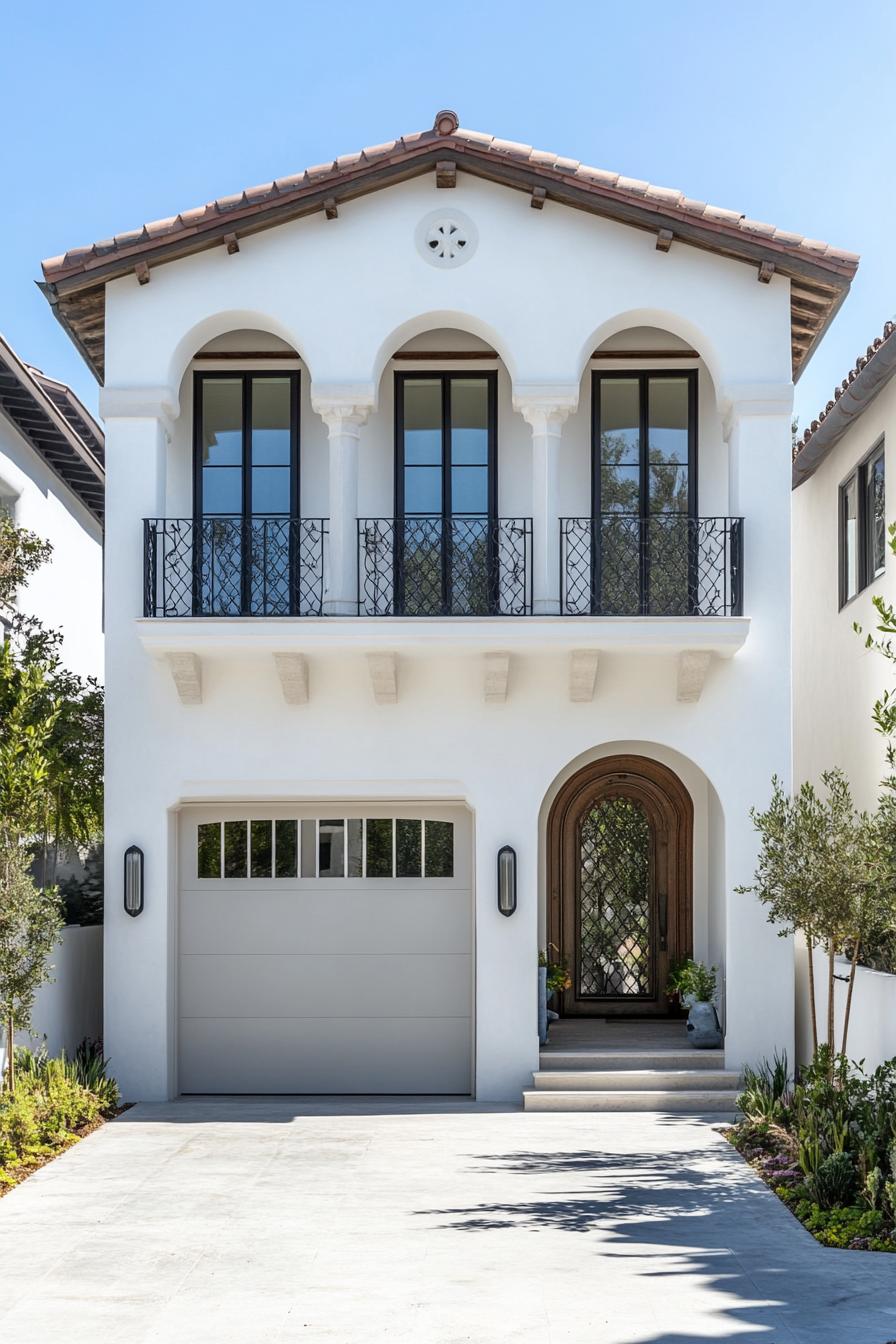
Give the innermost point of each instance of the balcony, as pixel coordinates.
(616, 565)
(233, 566)
(436, 566)
(667, 565)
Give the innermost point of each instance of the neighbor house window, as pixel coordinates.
(863, 528)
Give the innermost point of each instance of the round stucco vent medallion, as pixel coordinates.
(446, 238)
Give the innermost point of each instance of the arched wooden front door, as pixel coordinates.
(620, 839)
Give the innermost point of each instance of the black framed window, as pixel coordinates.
(644, 443)
(246, 445)
(445, 493)
(862, 525)
(246, 491)
(644, 492)
(445, 442)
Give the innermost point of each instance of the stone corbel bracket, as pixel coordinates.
(582, 675)
(292, 669)
(186, 670)
(496, 675)
(693, 665)
(383, 669)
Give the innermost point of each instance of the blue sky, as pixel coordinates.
(114, 115)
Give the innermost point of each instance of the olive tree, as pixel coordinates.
(30, 926)
(50, 782)
(827, 871)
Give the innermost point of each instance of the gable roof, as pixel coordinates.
(60, 430)
(868, 376)
(820, 275)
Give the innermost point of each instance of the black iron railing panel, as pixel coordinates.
(667, 565)
(233, 566)
(435, 566)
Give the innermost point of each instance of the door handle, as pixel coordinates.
(664, 913)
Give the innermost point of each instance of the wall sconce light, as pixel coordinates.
(506, 880)
(133, 881)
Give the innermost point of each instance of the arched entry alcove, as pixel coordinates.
(620, 884)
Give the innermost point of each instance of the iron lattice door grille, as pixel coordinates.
(616, 953)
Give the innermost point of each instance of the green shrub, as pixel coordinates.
(51, 1105)
(833, 1183)
(766, 1091)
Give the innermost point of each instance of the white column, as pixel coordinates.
(545, 409)
(757, 427)
(343, 415)
(138, 963)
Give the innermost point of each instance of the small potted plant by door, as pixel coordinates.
(697, 987)
(553, 977)
(674, 1005)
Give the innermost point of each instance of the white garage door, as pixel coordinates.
(325, 949)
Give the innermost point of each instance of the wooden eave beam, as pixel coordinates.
(706, 234)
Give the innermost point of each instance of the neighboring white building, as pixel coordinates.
(52, 482)
(841, 561)
(465, 469)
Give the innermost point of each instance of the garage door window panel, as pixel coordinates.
(236, 848)
(403, 848)
(209, 850)
(261, 836)
(286, 851)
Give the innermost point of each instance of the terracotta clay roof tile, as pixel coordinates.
(862, 362)
(833, 276)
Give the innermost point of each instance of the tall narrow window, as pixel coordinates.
(246, 492)
(849, 507)
(445, 492)
(863, 525)
(644, 492)
(875, 520)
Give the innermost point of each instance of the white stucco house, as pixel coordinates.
(841, 561)
(52, 482)
(447, 516)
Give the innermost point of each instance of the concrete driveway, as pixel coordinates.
(251, 1221)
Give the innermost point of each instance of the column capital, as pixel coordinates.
(141, 403)
(742, 399)
(545, 406)
(343, 407)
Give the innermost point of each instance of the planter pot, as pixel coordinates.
(542, 1005)
(704, 1028)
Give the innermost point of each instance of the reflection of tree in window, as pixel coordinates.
(209, 849)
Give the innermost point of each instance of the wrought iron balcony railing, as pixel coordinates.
(666, 565)
(435, 566)
(233, 566)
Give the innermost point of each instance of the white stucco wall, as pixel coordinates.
(543, 290)
(69, 1007)
(872, 1016)
(66, 593)
(835, 679)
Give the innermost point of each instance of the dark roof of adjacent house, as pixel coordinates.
(820, 275)
(62, 431)
(870, 373)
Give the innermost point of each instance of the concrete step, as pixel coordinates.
(708, 1101)
(616, 1060)
(635, 1080)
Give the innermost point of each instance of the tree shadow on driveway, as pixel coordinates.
(704, 1224)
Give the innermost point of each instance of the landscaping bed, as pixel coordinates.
(55, 1103)
(826, 1146)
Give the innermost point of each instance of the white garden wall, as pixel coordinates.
(70, 1007)
(872, 1017)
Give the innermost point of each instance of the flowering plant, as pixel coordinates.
(558, 977)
